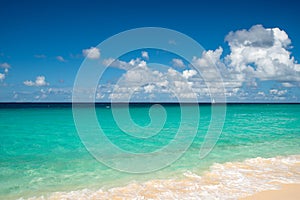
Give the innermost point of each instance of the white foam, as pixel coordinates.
(231, 180)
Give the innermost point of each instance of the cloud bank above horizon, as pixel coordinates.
(259, 66)
(258, 57)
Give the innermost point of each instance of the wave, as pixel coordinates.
(231, 180)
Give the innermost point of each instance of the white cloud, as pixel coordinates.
(177, 63)
(39, 81)
(41, 96)
(91, 53)
(256, 57)
(29, 83)
(189, 73)
(172, 72)
(256, 36)
(210, 65)
(209, 59)
(231, 82)
(122, 64)
(109, 62)
(60, 58)
(278, 92)
(135, 76)
(99, 95)
(42, 93)
(282, 92)
(144, 82)
(145, 55)
(116, 63)
(287, 84)
(262, 53)
(2, 77)
(149, 88)
(137, 62)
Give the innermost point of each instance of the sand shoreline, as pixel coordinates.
(287, 191)
(230, 180)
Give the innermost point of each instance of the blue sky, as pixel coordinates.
(42, 45)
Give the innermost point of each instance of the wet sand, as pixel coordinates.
(287, 191)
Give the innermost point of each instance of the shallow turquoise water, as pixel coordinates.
(41, 151)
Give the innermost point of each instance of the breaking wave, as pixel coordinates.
(230, 180)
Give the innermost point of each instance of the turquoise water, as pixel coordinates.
(41, 152)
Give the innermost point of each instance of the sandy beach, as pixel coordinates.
(287, 191)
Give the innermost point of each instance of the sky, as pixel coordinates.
(254, 45)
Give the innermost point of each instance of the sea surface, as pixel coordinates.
(42, 156)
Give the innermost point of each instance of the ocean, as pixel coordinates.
(43, 157)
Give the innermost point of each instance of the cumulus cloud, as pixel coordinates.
(209, 58)
(91, 53)
(209, 64)
(177, 63)
(149, 88)
(60, 58)
(278, 92)
(189, 73)
(262, 53)
(144, 81)
(39, 81)
(257, 56)
(145, 55)
(110, 62)
(256, 36)
(172, 72)
(29, 83)
(211, 68)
